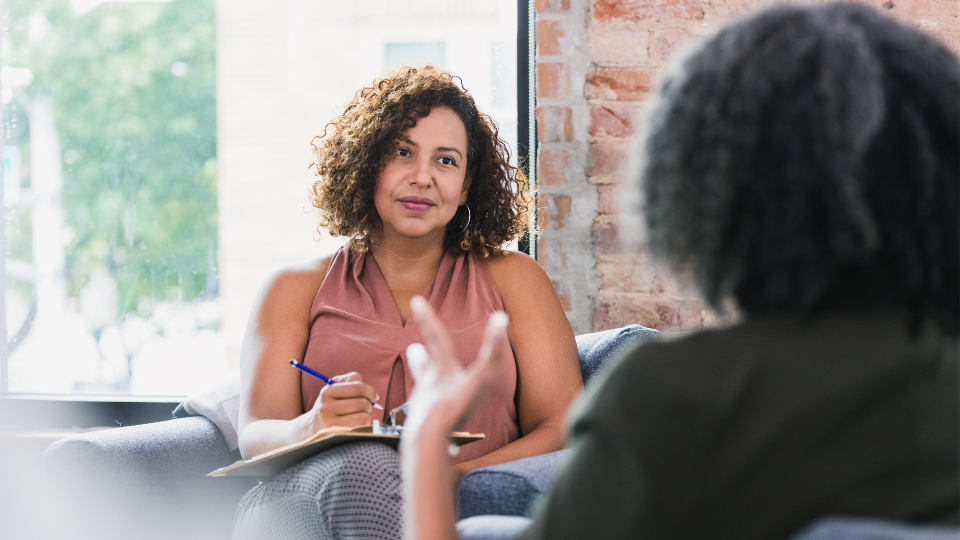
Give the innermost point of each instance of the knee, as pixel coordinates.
(363, 461)
(365, 471)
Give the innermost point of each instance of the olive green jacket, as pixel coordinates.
(756, 430)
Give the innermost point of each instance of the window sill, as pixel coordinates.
(60, 412)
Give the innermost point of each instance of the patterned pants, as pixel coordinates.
(349, 492)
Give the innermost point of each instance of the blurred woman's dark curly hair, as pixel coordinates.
(350, 159)
(808, 159)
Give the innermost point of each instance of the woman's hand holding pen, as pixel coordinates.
(349, 403)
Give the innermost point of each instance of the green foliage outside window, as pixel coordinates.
(133, 88)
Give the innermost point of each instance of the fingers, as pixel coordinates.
(353, 420)
(353, 376)
(494, 347)
(435, 336)
(419, 361)
(343, 407)
(481, 374)
(346, 407)
(348, 390)
(438, 350)
(348, 420)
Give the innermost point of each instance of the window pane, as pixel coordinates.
(286, 69)
(113, 235)
(162, 157)
(415, 54)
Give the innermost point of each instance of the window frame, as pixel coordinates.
(72, 411)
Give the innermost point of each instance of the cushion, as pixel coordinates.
(597, 349)
(508, 489)
(220, 405)
(491, 527)
(858, 528)
(146, 481)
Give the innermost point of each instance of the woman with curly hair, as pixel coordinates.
(803, 165)
(419, 182)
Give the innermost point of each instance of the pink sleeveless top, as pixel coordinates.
(355, 326)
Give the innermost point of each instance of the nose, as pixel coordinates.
(422, 174)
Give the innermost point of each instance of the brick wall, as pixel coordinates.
(567, 202)
(598, 62)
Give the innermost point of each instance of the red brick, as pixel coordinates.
(606, 239)
(613, 121)
(553, 167)
(550, 255)
(553, 80)
(608, 199)
(620, 84)
(734, 7)
(543, 214)
(608, 159)
(630, 274)
(552, 5)
(553, 210)
(666, 42)
(563, 292)
(691, 314)
(552, 38)
(664, 315)
(554, 124)
(669, 315)
(710, 318)
(919, 8)
(611, 313)
(637, 10)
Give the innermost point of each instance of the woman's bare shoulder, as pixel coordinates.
(514, 272)
(295, 280)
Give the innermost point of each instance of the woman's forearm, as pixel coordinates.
(261, 436)
(428, 503)
(545, 438)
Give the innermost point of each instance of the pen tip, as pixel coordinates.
(293, 362)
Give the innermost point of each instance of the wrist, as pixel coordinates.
(426, 433)
(423, 438)
(307, 424)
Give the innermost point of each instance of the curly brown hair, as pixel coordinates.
(350, 159)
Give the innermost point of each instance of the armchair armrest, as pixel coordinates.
(146, 481)
(508, 489)
(865, 528)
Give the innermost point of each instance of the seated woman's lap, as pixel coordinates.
(348, 492)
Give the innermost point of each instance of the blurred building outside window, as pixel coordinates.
(156, 166)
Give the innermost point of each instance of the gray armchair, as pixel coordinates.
(149, 481)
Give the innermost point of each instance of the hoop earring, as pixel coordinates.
(467, 224)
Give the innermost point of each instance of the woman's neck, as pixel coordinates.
(400, 253)
(408, 268)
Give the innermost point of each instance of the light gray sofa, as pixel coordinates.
(828, 528)
(149, 481)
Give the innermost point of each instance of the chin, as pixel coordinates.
(415, 232)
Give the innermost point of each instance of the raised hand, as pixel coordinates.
(446, 394)
(442, 400)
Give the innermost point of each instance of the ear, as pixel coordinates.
(466, 189)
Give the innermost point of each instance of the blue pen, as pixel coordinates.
(322, 377)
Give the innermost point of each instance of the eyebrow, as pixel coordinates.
(442, 148)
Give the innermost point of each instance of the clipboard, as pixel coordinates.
(273, 462)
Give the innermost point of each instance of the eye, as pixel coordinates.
(404, 152)
(447, 160)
